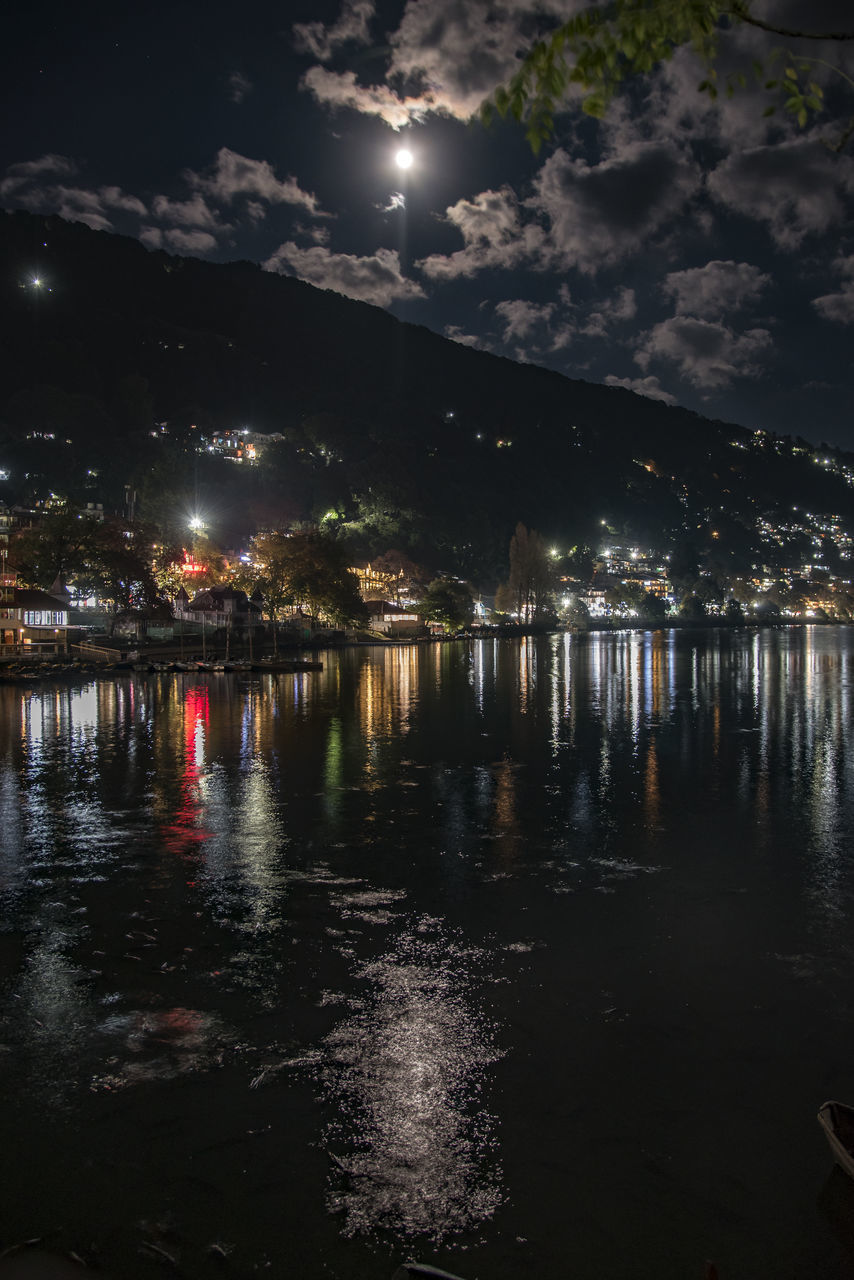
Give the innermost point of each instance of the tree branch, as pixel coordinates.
(743, 14)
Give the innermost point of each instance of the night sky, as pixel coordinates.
(698, 253)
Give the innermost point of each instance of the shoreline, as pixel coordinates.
(20, 669)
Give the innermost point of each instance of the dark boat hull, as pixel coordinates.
(837, 1120)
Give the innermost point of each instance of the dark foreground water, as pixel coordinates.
(528, 959)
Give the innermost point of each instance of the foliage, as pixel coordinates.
(123, 576)
(400, 570)
(604, 45)
(653, 607)
(103, 558)
(307, 571)
(61, 544)
(449, 603)
(692, 608)
(530, 587)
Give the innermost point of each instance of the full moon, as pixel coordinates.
(403, 159)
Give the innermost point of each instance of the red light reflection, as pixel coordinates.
(185, 834)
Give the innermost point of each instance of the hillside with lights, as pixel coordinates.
(122, 368)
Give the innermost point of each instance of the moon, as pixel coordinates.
(403, 159)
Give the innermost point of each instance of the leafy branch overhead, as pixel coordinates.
(602, 47)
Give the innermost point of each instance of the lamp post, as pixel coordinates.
(196, 524)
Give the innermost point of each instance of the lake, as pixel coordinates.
(526, 958)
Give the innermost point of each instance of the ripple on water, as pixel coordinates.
(158, 1044)
(412, 1145)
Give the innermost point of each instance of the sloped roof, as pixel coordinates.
(32, 598)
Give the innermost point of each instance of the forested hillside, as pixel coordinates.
(397, 436)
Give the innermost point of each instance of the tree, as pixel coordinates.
(449, 603)
(61, 545)
(605, 45)
(399, 569)
(692, 608)
(102, 558)
(307, 571)
(653, 607)
(121, 573)
(531, 581)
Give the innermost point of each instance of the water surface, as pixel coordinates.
(526, 959)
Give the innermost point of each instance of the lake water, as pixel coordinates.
(521, 958)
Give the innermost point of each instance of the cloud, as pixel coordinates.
(715, 289)
(235, 175)
(339, 89)
(520, 318)
(493, 233)
(458, 50)
(795, 188)
(456, 334)
(708, 355)
(115, 198)
(602, 213)
(186, 213)
(178, 239)
(839, 307)
(648, 386)
(397, 200)
(375, 279)
(616, 310)
(18, 175)
(30, 185)
(317, 234)
(238, 86)
(352, 25)
(73, 203)
(448, 54)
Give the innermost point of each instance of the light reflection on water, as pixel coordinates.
(189, 863)
(414, 1153)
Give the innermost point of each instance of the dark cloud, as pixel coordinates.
(238, 86)
(796, 188)
(30, 185)
(709, 355)
(715, 289)
(602, 213)
(839, 306)
(178, 239)
(19, 175)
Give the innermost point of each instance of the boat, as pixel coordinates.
(837, 1120)
(284, 664)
